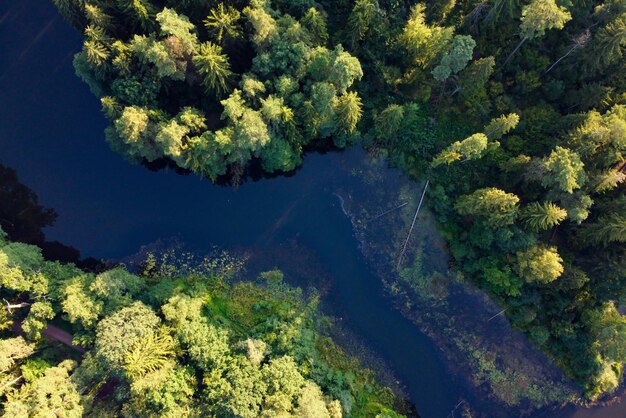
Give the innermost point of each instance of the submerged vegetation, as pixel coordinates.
(514, 110)
(177, 340)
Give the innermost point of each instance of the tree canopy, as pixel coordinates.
(169, 342)
(515, 112)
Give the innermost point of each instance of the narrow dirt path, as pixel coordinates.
(57, 334)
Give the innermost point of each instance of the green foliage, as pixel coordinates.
(539, 264)
(423, 42)
(456, 59)
(606, 230)
(501, 126)
(207, 347)
(222, 23)
(348, 112)
(154, 68)
(117, 334)
(54, 394)
(563, 170)
(496, 206)
(540, 216)
(541, 15)
(469, 149)
(148, 354)
(213, 67)
(36, 320)
(363, 14)
(414, 81)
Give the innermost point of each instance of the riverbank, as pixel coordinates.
(502, 373)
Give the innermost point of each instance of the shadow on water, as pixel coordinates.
(51, 132)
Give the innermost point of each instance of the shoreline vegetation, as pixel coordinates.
(499, 368)
(515, 112)
(180, 338)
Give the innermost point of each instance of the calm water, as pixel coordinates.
(51, 132)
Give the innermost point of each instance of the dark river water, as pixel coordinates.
(51, 132)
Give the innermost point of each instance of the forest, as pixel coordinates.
(514, 110)
(176, 340)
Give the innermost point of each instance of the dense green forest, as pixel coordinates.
(180, 339)
(514, 110)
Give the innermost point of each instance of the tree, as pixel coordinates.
(609, 180)
(609, 43)
(363, 14)
(388, 122)
(12, 350)
(73, 11)
(20, 266)
(563, 170)
(21, 215)
(422, 42)
(456, 59)
(237, 390)
(537, 17)
(311, 403)
(213, 66)
(222, 23)
(54, 394)
(496, 206)
(348, 112)
(170, 137)
(472, 83)
(79, 304)
(262, 22)
(179, 26)
(608, 229)
(148, 354)
(167, 391)
(159, 54)
(206, 344)
(284, 384)
(441, 9)
(117, 334)
(578, 41)
(96, 54)
(539, 264)
(577, 205)
(609, 329)
(469, 149)
(256, 350)
(500, 126)
(599, 138)
(540, 216)
(96, 16)
(344, 69)
(141, 12)
(132, 124)
(116, 287)
(315, 23)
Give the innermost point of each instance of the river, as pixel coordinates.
(51, 132)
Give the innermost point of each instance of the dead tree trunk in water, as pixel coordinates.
(388, 211)
(406, 242)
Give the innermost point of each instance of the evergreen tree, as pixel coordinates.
(222, 23)
(540, 216)
(538, 17)
(348, 112)
(213, 66)
(496, 206)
